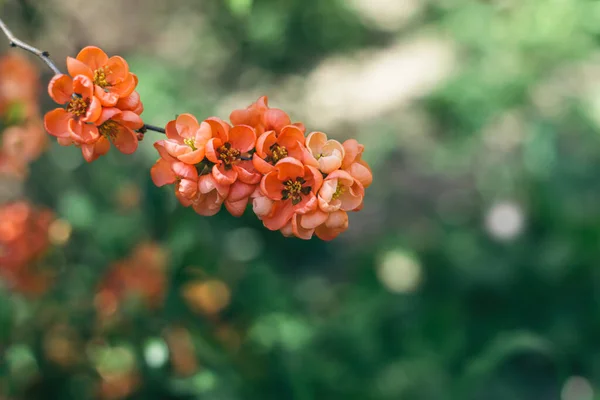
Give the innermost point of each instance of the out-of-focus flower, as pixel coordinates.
(23, 244)
(142, 275)
(19, 85)
(208, 297)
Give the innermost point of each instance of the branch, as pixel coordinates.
(154, 128)
(14, 42)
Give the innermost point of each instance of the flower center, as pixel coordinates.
(294, 190)
(228, 155)
(339, 190)
(190, 143)
(100, 78)
(109, 129)
(277, 153)
(78, 106)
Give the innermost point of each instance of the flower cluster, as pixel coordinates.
(296, 184)
(24, 239)
(100, 104)
(22, 137)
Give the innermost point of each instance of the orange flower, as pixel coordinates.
(131, 103)
(354, 164)
(24, 143)
(328, 153)
(271, 148)
(81, 107)
(113, 125)
(211, 196)
(110, 76)
(327, 226)
(19, 84)
(292, 186)
(340, 191)
(260, 117)
(225, 150)
(185, 177)
(186, 139)
(239, 195)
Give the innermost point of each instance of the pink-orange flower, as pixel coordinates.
(225, 150)
(292, 186)
(185, 177)
(110, 76)
(327, 226)
(19, 85)
(262, 118)
(354, 164)
(186, 139)
(211, 196)
(270, 148)
(328, 153)
(81, 107)
(340, 191)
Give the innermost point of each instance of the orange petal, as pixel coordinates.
(352, 150)
(187, 125)
(300, 126)
(56, 123)
(192, 157)
(271, 186)
(220, 128)
(281, 214)
(162, 174)
(328, 164)
(211, 150)
(247, 173)
(239, 191)
(242, 137)
(298, 230)
(327, 234)
(107, 99)
(171, 131)
(289, 168)
(275, 119)
(83, 133)
(224, 176)
(290, 137)
(130, 120)
(315, 178)
(87, 150)
(83, 86)
(124, 88)
(240, 117)
(264, 142)
(313, 219)
(162, 151)
(261, 165)
(361, 173)
(262, 206)
(94, 111)
(93, 57)
(130, 102)
(315, 141)
(76, 67)
(236, 208)
(60, 88)
(126, 140)
(117, 71)
(106, 114)
(184, 170)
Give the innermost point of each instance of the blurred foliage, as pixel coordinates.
(470, 274)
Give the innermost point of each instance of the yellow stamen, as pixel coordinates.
(109, 129)
(228, 155)
(294, 190)
(190, 143)
(78, 106)
(277, 153)
(100, 78)
(338, 191)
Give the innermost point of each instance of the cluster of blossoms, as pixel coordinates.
(24, 240)
(22, 136)
(100, 104)
(300, 185)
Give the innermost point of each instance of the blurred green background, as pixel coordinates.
(471, 273)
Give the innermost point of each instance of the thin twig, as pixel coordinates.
(148, 127)
(14, 42)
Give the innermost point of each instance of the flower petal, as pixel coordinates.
(299, 230)
(130, 120)
(93, 57)
(289, 168)
(261, 165)
(107, 99)
(117, 71)
(315, 142)
(281, 213)
(271, 186)
(162, 174)
(242, 137)
(186, 125)
(56, 123)
(290, 137)
(83, 86)
(60, 88)
(275, 119)
(313, 219)
(264, 142)
(76, 67)
(94, 110)
(106, 114)
(236, 208)
(211, 150)
(124, 88)
(83, 133)
(125, 140)
(247, 173)
(239, 191)
(220, 128)
(224, 176)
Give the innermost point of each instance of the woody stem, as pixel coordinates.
(14, 42)
(154, 128)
